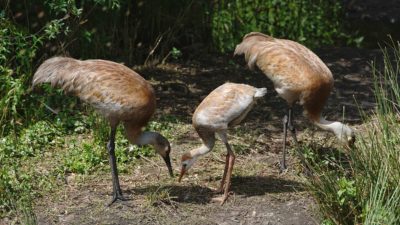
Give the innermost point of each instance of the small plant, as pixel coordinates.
(347, 191)
(160, 196)
(241, 149)
(85, 159)
(176, 53)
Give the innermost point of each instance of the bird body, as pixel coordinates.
(115, 91)
(224, 107)
(298, 75)
(296, 72)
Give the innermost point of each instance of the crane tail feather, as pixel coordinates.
(249, 47)
(260, 92)
(58, 71)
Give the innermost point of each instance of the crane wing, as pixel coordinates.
(226, 106)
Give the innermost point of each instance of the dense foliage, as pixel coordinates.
(313, 23)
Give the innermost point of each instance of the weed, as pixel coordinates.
(85, 159)
(159, 196)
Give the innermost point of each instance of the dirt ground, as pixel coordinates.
(260, 194)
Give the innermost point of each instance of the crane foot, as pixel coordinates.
(222, 199)
(282, 168)
(117, 197)
(218, 190)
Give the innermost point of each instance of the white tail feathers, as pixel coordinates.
(260, 92)
(249, 47)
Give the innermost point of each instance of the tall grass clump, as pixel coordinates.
(361, 185)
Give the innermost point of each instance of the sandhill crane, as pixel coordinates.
(298, 75)
(116, 92)
(224, 107)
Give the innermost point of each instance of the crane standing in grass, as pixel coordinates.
(224, 107)
(118, 93)
(298, 75)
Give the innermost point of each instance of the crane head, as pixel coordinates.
(351, 140)
(163, 147)
(345, 134)
(187, 162)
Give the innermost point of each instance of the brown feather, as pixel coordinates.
(116, 91)
(297, 73)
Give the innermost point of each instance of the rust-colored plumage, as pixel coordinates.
(223, 108)
(116, 92)
(298, 75)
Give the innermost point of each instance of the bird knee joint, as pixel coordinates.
(285, 119)
(110, 146)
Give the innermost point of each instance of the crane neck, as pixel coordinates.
(148, 138)
(202, 150)
(334, 126)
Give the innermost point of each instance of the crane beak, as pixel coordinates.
(168, 162)
(183, 171)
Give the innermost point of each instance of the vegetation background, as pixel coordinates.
(356, 187)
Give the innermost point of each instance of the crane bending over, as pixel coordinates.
(298, 75)
(224, 107)
(116, 92)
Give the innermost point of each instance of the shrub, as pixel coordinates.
(311, 22)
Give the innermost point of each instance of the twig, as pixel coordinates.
(154, 164)
(158, 41)
(49, 108)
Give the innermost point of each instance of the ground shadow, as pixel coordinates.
(241, 185)
(261, 185)
(188, 194)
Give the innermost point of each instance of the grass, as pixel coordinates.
(47, 151)
(159, 196)
(360, 185)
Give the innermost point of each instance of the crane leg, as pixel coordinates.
(221, 187)
(117, 193)
(283, 160)
(292, 129)
(229, 174)
(230, 160)
(291, 125)
(287, 125)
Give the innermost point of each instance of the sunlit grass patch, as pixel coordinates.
(159, 196)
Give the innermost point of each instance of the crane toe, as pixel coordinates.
(282, 168)
(117, 197)
(222, 199)
(218, 190)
